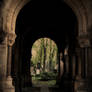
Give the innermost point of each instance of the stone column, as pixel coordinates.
(67, 82)
(84, 44)
(81, 85)
(73, 66)
(5, 81)
(79, 64)
(66, 58)
(85, 61)
(3, 64)
(67, 63)
(10, 41)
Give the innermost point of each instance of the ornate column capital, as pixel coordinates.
(84, 41)
(11, 38)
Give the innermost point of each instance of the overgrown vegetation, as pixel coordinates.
(44, 52)
(44, 61)
(45, 79)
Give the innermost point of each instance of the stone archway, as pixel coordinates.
(33, 33)
(10, 15)
(44, 62)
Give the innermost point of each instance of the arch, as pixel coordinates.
(51, 55)
(57, 45)
(48, 37)
(39, 39)
(77, 7)
(80, 12)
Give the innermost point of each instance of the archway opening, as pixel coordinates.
(44, 62)
(53, 19)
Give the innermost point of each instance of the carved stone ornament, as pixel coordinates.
(11, 38)
(84, 42)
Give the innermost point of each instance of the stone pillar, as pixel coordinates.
(66, 58)
(61, 65)
(73, 66)
(84, 45)
(5, 81)
(67, 77)
(3, 64)
(81, 85)
(10, 41)
(67, 64)
(58, 80)
(79, 64)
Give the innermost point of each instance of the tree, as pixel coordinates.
(46, 54)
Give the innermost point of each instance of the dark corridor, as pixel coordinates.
(50, 18)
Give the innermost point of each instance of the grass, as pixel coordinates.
(39, 82)
(48, 83)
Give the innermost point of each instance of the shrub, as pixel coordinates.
(48, 76)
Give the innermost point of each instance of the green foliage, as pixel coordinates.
(48, 76)
(49, 82)
(45, 51)
(45, 76)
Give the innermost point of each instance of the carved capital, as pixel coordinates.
(11, 38)
(84, 41)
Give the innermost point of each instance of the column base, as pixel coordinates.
(6, 85)
(81, 85)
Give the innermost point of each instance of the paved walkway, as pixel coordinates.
(41, 88)
(44, 89)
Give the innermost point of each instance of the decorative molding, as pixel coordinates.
(84, 41)
(11, 38)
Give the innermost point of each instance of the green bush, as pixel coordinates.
(48, 76)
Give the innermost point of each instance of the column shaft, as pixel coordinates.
(79, 67)
(9, 61)
(84, 62)
(73, 66)
(3, 59)
(78, 63)
(67, 64)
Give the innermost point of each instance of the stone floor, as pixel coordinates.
(40, 86)
(41, 89)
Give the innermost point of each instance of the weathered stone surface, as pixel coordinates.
(9, 10)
